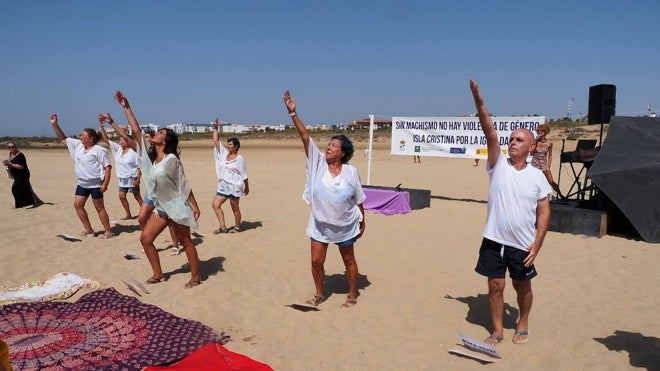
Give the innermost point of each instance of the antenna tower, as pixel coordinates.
(571, 103)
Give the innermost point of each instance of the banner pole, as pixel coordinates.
(371, 139)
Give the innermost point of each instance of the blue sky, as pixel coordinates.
(190, 61)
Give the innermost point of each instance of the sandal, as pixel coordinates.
(87, 234)
(221, 230)
(153, 280)
(178, 250)
(350, 301)
(316, 300)
(107, 236)
(234, 230)
(191, 284)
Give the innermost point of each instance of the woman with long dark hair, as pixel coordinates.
(167, 187)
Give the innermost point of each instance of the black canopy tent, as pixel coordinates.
(627, 171)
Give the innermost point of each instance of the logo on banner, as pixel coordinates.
(458, 150)
(402, 145)
(418, 149)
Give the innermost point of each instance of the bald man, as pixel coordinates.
(517, 201)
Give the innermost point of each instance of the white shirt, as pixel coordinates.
(89, 164)
(231, 174)
(126, 165)
(335, 213)
(512, 200)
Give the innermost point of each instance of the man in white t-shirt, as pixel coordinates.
(517, 200)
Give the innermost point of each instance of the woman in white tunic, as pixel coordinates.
(334, 192)
(93, 171)
(127, 166)
(232, 180)
(168, 188)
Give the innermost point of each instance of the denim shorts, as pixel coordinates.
(129, 189)
(348, 242)
(225, 196)
(148, 201)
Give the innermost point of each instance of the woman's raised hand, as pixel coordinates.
(105, 117)
(216, 123)
(121, 99)
(289, 102)
(53, 118)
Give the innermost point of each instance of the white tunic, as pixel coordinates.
(126, 165)
(89, 164)
(231, 174)
(167, 186)
(335, 213)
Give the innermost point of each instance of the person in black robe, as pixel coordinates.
(17, 169)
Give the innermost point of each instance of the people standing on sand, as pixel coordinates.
(517, 200)
(417, 159)
(542, 156)
(93, 171)
(147, 206)
(18, 170)
(232, 180)
(334, 191)
(476, 162)
(127, 165)
(169, 190)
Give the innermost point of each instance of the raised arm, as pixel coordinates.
(104, 134)
(56, 127)
(132, 121)
(216, 140)
(105, 117)
(290, 104)
(486, 125)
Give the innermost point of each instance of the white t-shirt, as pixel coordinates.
(89, 164)
(231, 174)
(126, 165)
(512, 202)
(335, 213)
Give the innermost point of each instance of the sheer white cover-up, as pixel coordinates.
(231, 174)
(335, 213)
(166, 185)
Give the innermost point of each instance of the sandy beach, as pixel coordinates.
(595, 299)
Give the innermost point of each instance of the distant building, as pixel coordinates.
(364, 124)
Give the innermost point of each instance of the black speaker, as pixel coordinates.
(602, 103)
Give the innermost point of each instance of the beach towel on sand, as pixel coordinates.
(103, 330)
(214, 357)
(60, 286)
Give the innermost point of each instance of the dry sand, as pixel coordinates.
(595, 305)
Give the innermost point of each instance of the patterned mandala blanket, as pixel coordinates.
(102, 330)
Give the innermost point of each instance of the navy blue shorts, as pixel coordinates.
(348, 242)
(495, 258)
(148, 201)
(85, 192)
(225, 196)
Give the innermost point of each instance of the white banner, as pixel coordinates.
(460, 137)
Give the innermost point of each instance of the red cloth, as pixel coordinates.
(214, 357)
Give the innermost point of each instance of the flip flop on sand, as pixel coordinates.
(520, 337)
(493, 340)
(316, 300)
